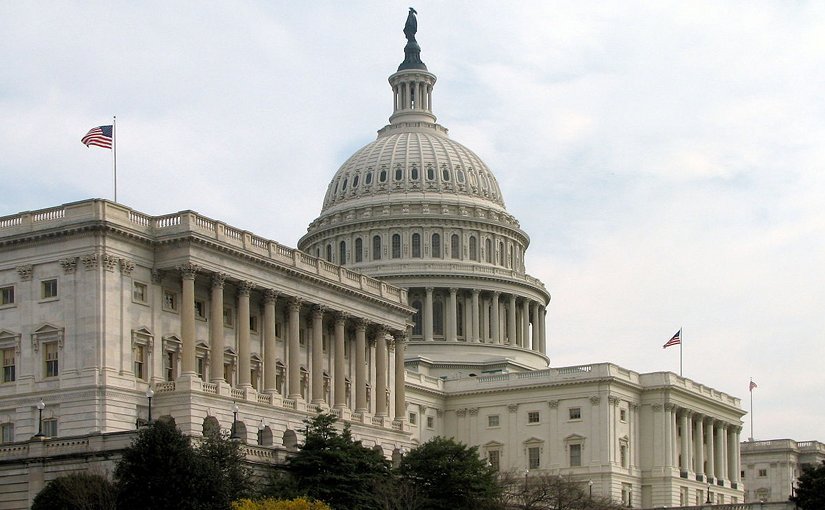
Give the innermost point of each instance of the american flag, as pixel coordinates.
(100, 136)
(751, 386)
(675, 340)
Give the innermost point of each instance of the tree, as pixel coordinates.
(450, 475)
(810, 494)
(224, 463)
(77, 491)
(335, 468)
(549, 492)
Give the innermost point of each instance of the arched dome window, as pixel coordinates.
(445, 173)
(459, 175)
(359, 250)
(368, 178)
(344, 184)
(473, 181)
(414, 173)
(382, 176)
(459, 318)
(376, 247)
(396, 246)
(416, 331)
(355, 181)
(342, 252)
(329, 253)
(501, 253)
(510, 256)
(430, 173)
(436, 246)
(473, 248)
(455, 247)
(438, 316)
(488, 250)
(416, 245)
(399, 173)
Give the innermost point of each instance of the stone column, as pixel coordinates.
(244, 371)
(381, 372)
(340, 395)
(187, 318)
(722, 451)
(361, 365)
(711, 456)
(733, 453)
(700, 445)
(667, 437)
(495, 335)
(684, 419)
(270, 354)
(294, 368)
(474, 319)
(534, 311)
(543, 329)
(484, 334)
(511, 321)
(428, 315)
(317, 355)
(525, 323)
(400, 397)
(216, 338)
(452, 316)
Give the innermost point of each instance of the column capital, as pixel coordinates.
(245, 287)
(613, 400)
(341, 317)
(553, 404)
(429, 290)
(318, 311)
(295, 303)
(496, 294)
(157, 276)
(361, 323)
(670, 406)
(218, 280)
(271, 295)
(708, 419)
(475, 292)
(453, 291)
(188, 270)
(595, 399)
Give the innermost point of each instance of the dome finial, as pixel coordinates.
(412, 51)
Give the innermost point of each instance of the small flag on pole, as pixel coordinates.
(675, 340)
(751, 386)
(100, 136)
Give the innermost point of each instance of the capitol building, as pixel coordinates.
(406, 310)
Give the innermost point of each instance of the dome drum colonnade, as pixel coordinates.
(296, 309)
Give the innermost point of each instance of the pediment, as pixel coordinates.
(574, 437)
(533, 440)
(493, 444)
(47, 328)
(5, 334)
(142, 331)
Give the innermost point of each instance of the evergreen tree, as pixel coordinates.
(810, 494)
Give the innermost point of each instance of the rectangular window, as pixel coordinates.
(170, 301)
(169, 362)
(51, 359)
(7, 295)
(50, 427)
(492, 420)
(48, 289)
(253, 323)
(763, 472)
(623, 414)
(533, 457)
(623, 456)
(413, 418)
(575, 413)
(7, 433)
(140, 362)
(200, 309)
(494, 456)
(140, 292)
(8, 365)
(575, 455)
(430, 422)
(201, 368)
(533, 417)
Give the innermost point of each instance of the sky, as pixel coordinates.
(666, 158)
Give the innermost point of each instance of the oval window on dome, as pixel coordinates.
(344, 184)
(459, 175)
(473, 181)
(355, 181)
(399, 173)
(414, 173)
(430, 173)
(368, 178)
(382, 177)
(445, 174)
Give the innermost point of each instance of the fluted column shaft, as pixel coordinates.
(317, 354)
(700, 445)
(340, 397)
(668, 435)
(474, 318)
(683, 422)
(452, 316)
(534, 311)
(525, 323)
(543, 329)
(360, 367)
(484, 333)
(294, 369)
(428, 314)
(400, 396)
(511, 321)
(216, 338)
(711, 471)
(495, 335)
(244, 372)
(187, 318)
(270, 358)
(722, 452)
(381, 373)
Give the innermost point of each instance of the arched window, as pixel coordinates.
(510, 257)
(459, 318)
(368, 178)
(436, 246)
(438, 317)
(359, 250)
(329, 253)
(459, 175)
(445, 173)
(382, 176)
(430, 173)
(342, 252)
(355, 181)
(501, 253)
(376, 247)
(399, 173)
(473, 248)
(488, 249)
(416, 245)
(396, 246)
(455, 247)
(416, 331)
(344, 185)
(414, 173)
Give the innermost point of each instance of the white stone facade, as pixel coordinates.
(771, 468)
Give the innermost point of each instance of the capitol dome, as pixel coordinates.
(421, 211)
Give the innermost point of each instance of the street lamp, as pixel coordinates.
(708, 499)
(261, 428)
(235, 410)
(149, 394)
(40, 406)
(590, 486)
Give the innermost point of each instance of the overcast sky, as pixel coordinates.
(667, 159)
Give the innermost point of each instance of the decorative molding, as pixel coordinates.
(109, 262)
(595, 399)
(25, 272)
(69, 265)
(245, 287)
(513, 408)
(271, 295)
(461, 412)
(554, 404)
(473, 411)
(218, 280)
(47, 333)
(90, 261)
(157, 276)
(188, 270)
(127, 266)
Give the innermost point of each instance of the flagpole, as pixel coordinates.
(750, 388)
(681, 345)
(114, 152)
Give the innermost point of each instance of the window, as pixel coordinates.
(623, 414)
(627, 495)
(455, 247)
(7, 295)
(51, 358)
(494, 457)
(413, 418)
(368, 178)
(355, 181)
(416, 245)
(6, 433)
(329, 253)
(445, 173)
(170, 301)
(623, 456)
(763, 472)
(459, 175)
(488, 251)
(8, 365)
(139, 292)
(414, 173)
(533, 417)
(473, 248)
(376, 247)
(575, 413)
(500, 254)
(359, 249)
(382, 176)
(533, 457)
(140, 362)
(430, 422)
(575, 455)
(399, 173)
(493, 420)
(228, 320)
(170, 362)
(416, 318)
(396, 246)
(430, 173)
(48, 289)
(436, 246)
(49, 427)
(253, 323)
(342, 252)
(200, 309)
(438, 317)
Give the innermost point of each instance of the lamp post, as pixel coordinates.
(234, 435)
(261, 428)
(149, 394)
(708, 498)
(40, 406)
(590, 486)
